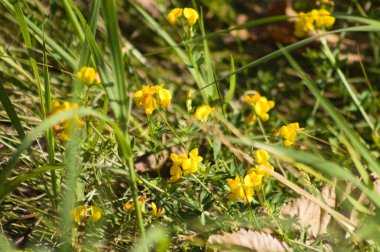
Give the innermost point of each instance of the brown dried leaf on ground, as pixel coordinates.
(311, 216)
(255, 241)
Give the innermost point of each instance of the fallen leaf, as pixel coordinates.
(252, 240)
(311, 216)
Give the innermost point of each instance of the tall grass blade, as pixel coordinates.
(29, 46)
(338, 119)
(11, 112)
(113, 40)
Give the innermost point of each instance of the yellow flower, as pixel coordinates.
(62, 130)
(241, 190)
(289, 133)
(304, 24)
(251, 99)
(260, 169)
(256, 179)
(174, 15)
(146, 98)
(96, 214)
(156, 211)
(79, 214)
(164, 97)
(191, 15)
(315, 19)
(202, 112)
(262, 107)
(190, 165)
(325, 20)
(128, 207)
(88, 76)
(261, 159)
(178, 159)
(175, 173)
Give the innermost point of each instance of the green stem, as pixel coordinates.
(132, 175)
(171, 128)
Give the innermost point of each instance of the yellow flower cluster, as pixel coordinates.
(191, 16)
(310, 21)
(245, 189)
(149, 96)
(241, 189)
(184, 164)
(62, 130)
(202, 112)
(80, 214)
(260, 104)
(88, 76)
(262, 161)
(289, 133)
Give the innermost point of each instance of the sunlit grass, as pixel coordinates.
(152, 127)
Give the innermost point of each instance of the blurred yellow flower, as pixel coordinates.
(241, 189)
(262, 107)
(262, 157)
(164, 97)
(174, 15)
(289, 133)
(178, 159)
(315, 19)
(128, 207)
(304, 24)
(175, 173)
(190, 165)
(262, 160)
(202, 112)
(256, 179)
(191, 15)
(88, 76)
(325, 20)
(260, 169)
(146, 98)
(79, 214)
(156, 211)
(62, 130)
(96, 214)
(251, 99)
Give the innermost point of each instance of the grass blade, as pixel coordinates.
(7, 104)
(338, 119)
(113, 39)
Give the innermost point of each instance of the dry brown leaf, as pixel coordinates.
(311, 216)
(255, 241)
